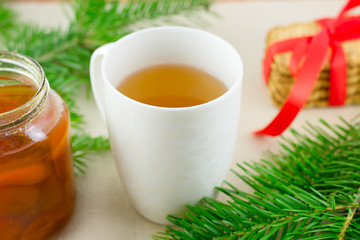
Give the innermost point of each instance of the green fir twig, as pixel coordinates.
(65, 54)
(309, 190)
(84, 145)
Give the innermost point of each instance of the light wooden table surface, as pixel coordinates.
(103, 210)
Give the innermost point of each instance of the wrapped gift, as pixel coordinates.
(281, 80)
(312, 64)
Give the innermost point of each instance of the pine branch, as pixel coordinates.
(93, 17)
(7, 22)
(82, 146)
(65, 55)
(309, 190)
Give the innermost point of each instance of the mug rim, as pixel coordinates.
(237, 82)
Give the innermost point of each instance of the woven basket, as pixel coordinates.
(281, 81)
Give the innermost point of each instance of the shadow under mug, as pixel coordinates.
(168, 157)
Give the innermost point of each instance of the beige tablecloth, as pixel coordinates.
(103, 210)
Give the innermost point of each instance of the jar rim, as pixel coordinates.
(25, 111)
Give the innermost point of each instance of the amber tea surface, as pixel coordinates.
(172, 85)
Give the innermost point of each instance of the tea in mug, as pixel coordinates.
(172, 85)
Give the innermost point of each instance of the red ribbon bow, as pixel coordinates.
(314, 50)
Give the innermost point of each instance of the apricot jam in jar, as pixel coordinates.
(37, 192)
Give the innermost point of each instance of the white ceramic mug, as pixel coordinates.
(168, 157)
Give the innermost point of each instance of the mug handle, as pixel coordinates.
(96, 76)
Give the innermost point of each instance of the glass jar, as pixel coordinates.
(37, 192)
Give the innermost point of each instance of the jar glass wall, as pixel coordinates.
(37, 191)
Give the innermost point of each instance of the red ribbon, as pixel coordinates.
(314, 51)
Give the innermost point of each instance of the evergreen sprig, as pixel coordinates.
(309, 190)
(84, 145)
(65, 54)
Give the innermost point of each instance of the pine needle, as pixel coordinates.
(65, 55)
(309, 190)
